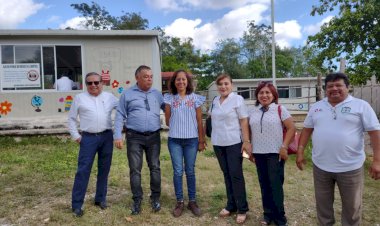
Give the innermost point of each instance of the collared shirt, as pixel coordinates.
(138, 110)
(94, 113)
(64, 84)
(338, 139)
(183, 119)
(266, 128)
(225, 117)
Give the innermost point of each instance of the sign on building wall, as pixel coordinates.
(20, 75)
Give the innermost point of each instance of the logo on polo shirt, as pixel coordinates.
(318, 109)
(346, 110)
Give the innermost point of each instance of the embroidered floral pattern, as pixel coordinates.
(190, 103)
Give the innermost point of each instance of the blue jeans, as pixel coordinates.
(270, 172)
(183, 151)
(136, 145)
(231, 163)
(89, 146)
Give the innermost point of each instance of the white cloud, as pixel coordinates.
(181, 5)
(315, 28)
(286, 32)
(12, 13)
(231, 25)
(75, 23)
(166, 5)
(53, 19)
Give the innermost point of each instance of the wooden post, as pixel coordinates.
(342, 66)
(319, 87)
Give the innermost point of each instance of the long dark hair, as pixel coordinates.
(189, 87)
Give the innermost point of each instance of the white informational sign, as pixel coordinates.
(20, 75)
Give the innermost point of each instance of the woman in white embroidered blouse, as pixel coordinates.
(230, 137)
(270, 150)
(184, 117)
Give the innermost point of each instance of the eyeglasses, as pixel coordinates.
(90, 83)
(147, 107)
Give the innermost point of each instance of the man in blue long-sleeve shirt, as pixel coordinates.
(139, 112)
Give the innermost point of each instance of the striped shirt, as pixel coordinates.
(183, 120)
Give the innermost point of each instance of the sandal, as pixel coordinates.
(265, 222)
(240, 219)
(224, 213)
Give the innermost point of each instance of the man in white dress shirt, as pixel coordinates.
(64, 83)
(94, 109)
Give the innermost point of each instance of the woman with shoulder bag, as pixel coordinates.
(270, 150)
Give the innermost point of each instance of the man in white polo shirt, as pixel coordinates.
(337, 125)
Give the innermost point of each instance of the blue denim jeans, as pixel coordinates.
(136, 145)
(183, 151)
(89, 146)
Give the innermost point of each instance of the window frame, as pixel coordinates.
(41, 47)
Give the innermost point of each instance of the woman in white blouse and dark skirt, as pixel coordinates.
(270, 150)
(230, 137)
(184, 117)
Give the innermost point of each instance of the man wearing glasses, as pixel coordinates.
(338, 123)
(94, 109)
(139, 112)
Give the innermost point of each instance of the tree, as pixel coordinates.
(353, 34)
(98, 18)
(227, 58)
(256, 48)
(131, 21)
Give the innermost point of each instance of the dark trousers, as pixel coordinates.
(270, 172)
(230, 162)
(89, 146)
(136, 145)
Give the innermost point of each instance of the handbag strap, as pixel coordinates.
(212, 103)
(279, 115)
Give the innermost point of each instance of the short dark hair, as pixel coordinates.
(189, 87)
(222, 76)
(93, 73)
(272, 89)
(332, 77)
(141, 68)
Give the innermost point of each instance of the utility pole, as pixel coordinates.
(273, 46)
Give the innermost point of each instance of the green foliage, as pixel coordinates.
(353, 34)
(98, 18)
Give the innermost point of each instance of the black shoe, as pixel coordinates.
(102, 205)
(156, 206)
(136, 207)
(78, 212)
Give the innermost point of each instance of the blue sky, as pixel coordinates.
(206, 21)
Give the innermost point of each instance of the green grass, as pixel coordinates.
(36, 177)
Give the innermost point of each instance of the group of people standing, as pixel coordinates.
(338, 154)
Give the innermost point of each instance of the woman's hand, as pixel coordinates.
(283, 154)
(247, 149)
(202, 146)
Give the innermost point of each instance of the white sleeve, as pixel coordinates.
(73, 120)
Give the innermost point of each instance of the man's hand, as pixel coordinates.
(78, 140)
(374, 170)
(119, 143)
(300, 161)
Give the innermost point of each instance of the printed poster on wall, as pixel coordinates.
(20, 75)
